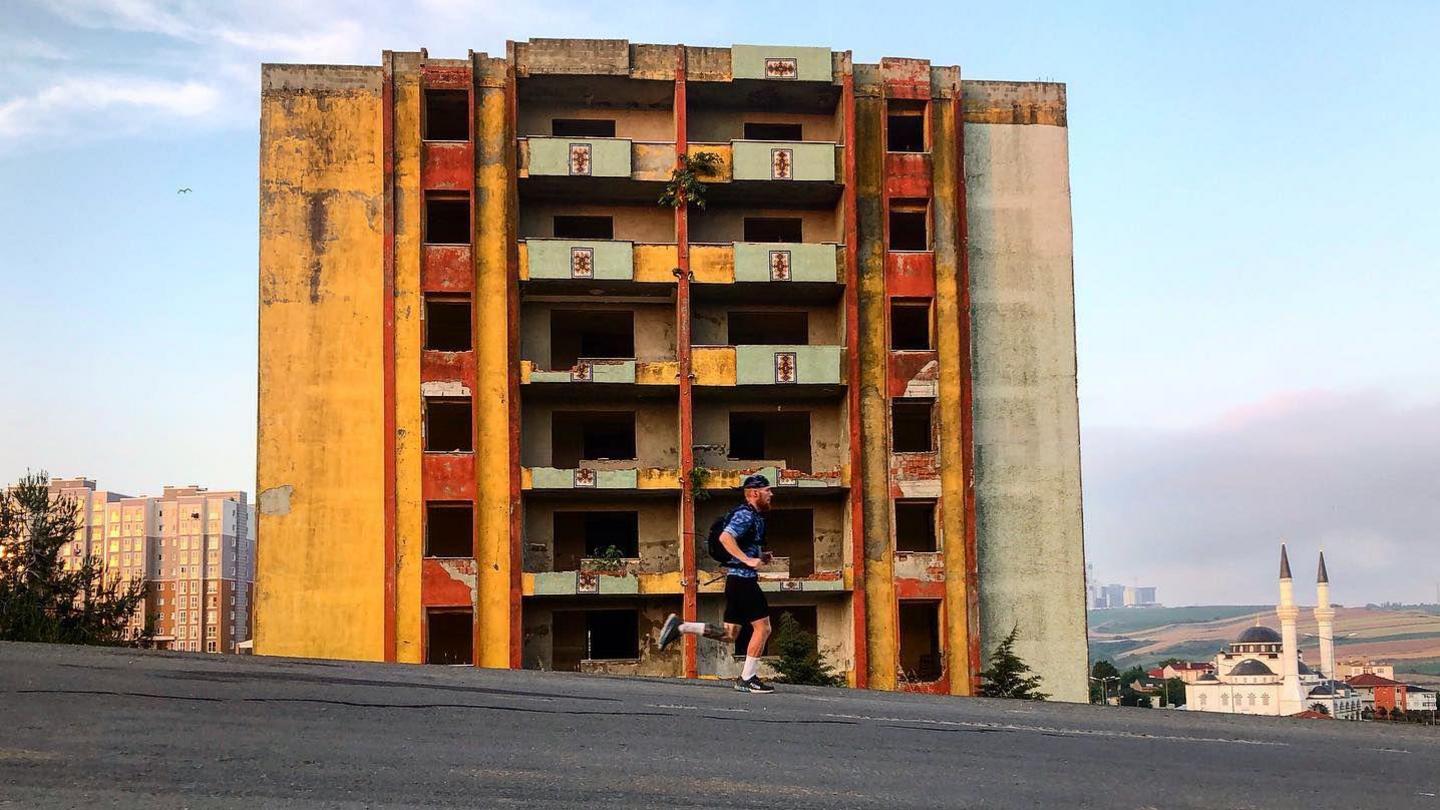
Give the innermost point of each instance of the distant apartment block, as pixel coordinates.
(193, 548)
(1118, 596)
(504, 391)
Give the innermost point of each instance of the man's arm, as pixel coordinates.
(728, 541)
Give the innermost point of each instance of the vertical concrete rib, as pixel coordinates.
(688, 566)
(387, 127)
(852, 349)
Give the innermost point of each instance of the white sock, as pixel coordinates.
(752, 666)
(693, 628)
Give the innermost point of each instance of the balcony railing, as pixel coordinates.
(610, 477)
(768, 365)
(597, 260)
(781, 161)
(604, 370)
(546, 156)
(765, 261)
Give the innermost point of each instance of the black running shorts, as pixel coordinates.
(744, 601)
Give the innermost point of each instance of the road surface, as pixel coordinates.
(120, 728)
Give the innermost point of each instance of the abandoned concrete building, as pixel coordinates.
(507, 379)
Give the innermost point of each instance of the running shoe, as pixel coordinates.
(670, 631)
(754, 686)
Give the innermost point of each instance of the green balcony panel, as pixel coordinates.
(580, 259)
(757, 261)
(787, 365)
(783, 161)
(579, 157)
(781, 63)
(619, 585)
(555, 583)
(552, 478)
(608, 371)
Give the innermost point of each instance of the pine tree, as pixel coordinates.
(800, 661)
(42, 600)
(1008, 676)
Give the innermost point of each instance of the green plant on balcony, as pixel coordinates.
(698, 478)
(685, 187)
(610, 558)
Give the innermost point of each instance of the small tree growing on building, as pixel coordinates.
(40, 598)
(1008, 676)
(800, 661)
(1319, 707)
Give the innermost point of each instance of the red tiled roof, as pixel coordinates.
(1156, 673)
(1311, 714)
(1191, 665)
(1371, 679)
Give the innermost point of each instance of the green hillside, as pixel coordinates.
(1134, 620)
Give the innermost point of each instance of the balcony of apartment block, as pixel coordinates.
(604, 137)
(569, 247)
(769, 350)
(802, 446)
(805, 532)
(747, 253)
(774, 140)
(621, 447)
(584, 350)
(590, 546)
(610, 634)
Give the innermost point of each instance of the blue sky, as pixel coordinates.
(1254, 207)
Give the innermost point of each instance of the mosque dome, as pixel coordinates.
(1258, 635)
(1251, 667)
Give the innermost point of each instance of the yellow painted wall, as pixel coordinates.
(493, 460)
(320, 567)
(409, 447)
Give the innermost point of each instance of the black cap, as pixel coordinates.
(756, 481)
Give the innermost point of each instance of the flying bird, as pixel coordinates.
(185, 190)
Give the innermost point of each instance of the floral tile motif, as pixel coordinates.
(583, 371)
(587, 582)
(779, 265)
(790, 585)
(582, 262)
(585, 479)
(580, 158)
(782, 164)
(781, 68)
(786, 368)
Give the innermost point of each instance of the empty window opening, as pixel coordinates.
(769, 328)
(910, 426)
(773, 229)
(780, 437)
(905, 125)
(612, 634)
(447, 115)
(908, 226)
(584, 227)
(577, 436)
(448, 425)
(755, 131)
(791, 533)
(449, 636)
(593, 534)
(583, 127)
(592, 334)
(449, 529)
(915, 526)
(920, 640)
(447, 219)
(909, 325)
(447, 323)
(567, 640)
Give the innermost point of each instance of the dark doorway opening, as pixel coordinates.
(905, 125)
(915, 526)
(447, 219)
(582, 127)
(910, 430)
(447, 425)
(590, 333)
(577, 436)
(447, 323)
(449, 636)
(767, 435)
(447, 115)
(909, 226)
(773, 229)
(449, 529)
(920, 640)
(571, 227)
(910, 324)
(590, 534)
(791, 533)
(769, 328)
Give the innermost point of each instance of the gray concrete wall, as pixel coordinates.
(1027, 436)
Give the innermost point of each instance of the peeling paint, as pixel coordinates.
(275, 500)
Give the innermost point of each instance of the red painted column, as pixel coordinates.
(387, 130)
(967, 411)
(686, 383)
(852, 351)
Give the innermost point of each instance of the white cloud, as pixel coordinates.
(104, 102)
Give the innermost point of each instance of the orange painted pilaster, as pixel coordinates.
(852, 350)
(688, 566)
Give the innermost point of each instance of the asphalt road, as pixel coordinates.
(120, 728)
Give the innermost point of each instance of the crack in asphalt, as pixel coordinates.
(347, 703)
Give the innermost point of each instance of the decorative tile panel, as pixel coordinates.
(781, 67)
(582, 262)
(785, 367)
(585, 478)
(587, 582)
(583, 371)
(782, 164)
(580, 159)
(779, 265)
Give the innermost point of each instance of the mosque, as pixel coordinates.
(1261, 672)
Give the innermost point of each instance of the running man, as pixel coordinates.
(745, 604)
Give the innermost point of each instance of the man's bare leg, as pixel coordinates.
(760, 633)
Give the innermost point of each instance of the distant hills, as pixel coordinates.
(1408, 637)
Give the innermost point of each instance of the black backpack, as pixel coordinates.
(712, 540)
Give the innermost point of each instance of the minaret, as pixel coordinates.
(1290, 698)
(1325, 617)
